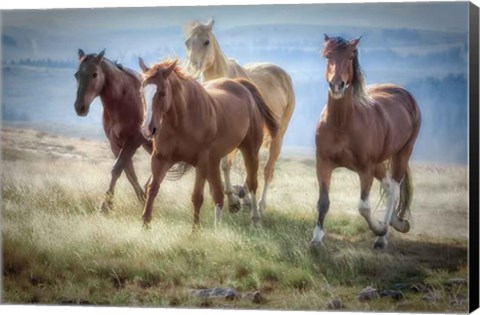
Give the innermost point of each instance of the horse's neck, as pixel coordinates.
(339, 111)
(180, 99)
(219, 69)
(190, 101)
(116, 83)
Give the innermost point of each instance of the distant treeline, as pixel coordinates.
(44, 63)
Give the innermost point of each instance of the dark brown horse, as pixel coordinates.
(361, 129)
(119, 91)
(199, 125)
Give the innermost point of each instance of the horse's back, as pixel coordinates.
(233, 106)
(276, 86)
(394, 98)
(397, 110)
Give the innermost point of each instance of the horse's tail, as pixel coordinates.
(406, 195)
(268, 117)
(178, 170)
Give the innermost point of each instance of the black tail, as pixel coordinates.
(268, 117)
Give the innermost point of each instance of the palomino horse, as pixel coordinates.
(118, 88)
(199, 125)
(361, 129)
(205, 55)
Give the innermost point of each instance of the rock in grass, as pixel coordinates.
(456, 281)
(419, 287)
(256, 297)
(335, 304)
(431, 297)
(226, 293)
(401, 286)
(394, 294)
(368, 294)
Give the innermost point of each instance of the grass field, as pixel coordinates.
(57, 248)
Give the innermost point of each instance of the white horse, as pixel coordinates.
(206, 57)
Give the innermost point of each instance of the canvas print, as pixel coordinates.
(282, 157)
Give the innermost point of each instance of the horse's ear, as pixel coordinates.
(210, 23)
(81, 54)
(354, 42)
(99, 57)
(169, 70)
(325, 37)
(142, 64)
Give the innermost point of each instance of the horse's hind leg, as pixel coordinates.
(399, 169)
(274, 153)
(227, 162)
(366, 181)
(132, 178)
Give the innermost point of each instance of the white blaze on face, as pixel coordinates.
(148, 91)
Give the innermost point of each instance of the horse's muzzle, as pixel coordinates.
(337, 89)
(81, 109)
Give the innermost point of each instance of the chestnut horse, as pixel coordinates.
(362, 129)
(199, 125)
(206, 56)
(118, 88)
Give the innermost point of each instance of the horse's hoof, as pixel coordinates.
(315, 243)
(379, 229)
(402, 226)
(256, 222)
(380, 244)
(105, 207)
(146, 222)
(261, 206)
(240, 191)
(235, 206)
(146, 226)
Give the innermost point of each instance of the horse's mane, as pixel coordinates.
(191, 27)
(153, 69)
(358, 81)
(116, 64)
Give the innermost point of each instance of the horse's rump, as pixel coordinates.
(267, 115)
(276, 87)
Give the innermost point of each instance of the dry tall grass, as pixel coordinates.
(58, 249)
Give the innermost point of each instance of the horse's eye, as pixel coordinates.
(76, 75)
(162, 93)
(94, 75)
(206, 42)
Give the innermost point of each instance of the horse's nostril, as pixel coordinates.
(154, 130)
(342, 85)
(82, 108)
(330, 84)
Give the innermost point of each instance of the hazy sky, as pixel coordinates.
(426, 16)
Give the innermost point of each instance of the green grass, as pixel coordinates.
(57, 248)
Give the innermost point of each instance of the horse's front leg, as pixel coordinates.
(159, 170)
(324, 173)
(201, 172)
(233, 201)
(123, 155)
